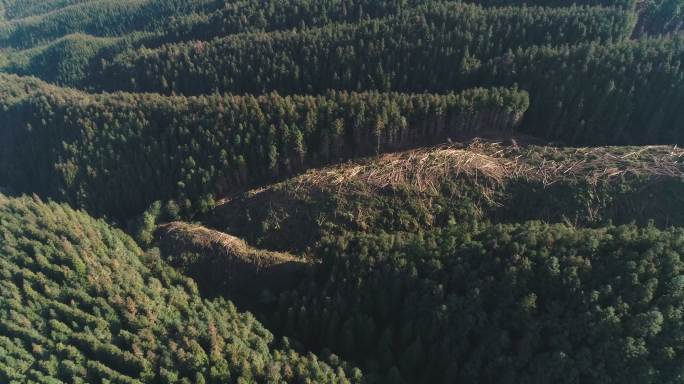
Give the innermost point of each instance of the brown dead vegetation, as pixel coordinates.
(224, 264)
(198, 238)
(489, 164)
(483, 180)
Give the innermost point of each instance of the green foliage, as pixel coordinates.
(64, 61)
(17, 9)
(522, 303)
(81, 303)
(144, 225)
(628, 4)
(295, 215)
(414, 272)
(661, 17)
(100, 18)
(116, 154)
(623, 92)
(172, 20)
(278, 15)
(76, 53)
(626, 93)
(415, 51)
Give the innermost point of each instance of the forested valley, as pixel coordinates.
(341, 191)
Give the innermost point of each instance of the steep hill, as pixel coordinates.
(226, 263)
(526, 302)
(461, 184)
(115, 154)
(522, 303)
(433, 191)
(411, 52)
(80, 302)
(232, 40)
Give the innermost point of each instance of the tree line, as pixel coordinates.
(172, 20)
(570, 25)
(208, 19)
(297, 214)
(17, 9)
(429, 49)
(99, 18)
(115, 154)
(625, 93)
(76, 53)
(581, 94)
(627, 4)
(276, 15)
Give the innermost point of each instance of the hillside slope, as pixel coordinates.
(79, 302)
(89, 149)
(461, 184)
(226, 263)
(521, 303)
(398, 191)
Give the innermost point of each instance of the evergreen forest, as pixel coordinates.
(341, 191)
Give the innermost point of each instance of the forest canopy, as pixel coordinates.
(341, 191)
(82, 303)
(89, 149)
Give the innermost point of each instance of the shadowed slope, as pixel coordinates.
(423, 188)
(222, 263)
(79, 302)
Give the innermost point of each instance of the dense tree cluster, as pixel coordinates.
(273, 15)
(31, 22)
(630, 92)
(17, 9)
(572, 25)
(429, 49)
(178, 21)
(80, 303)
(586, 94)
(65, 60)
(419, 267)
(621, 93)
(296, 214)
(90, 149)
(77, 53)
(99, 18)
(627, 4)
(660, 17)
(524, 303)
